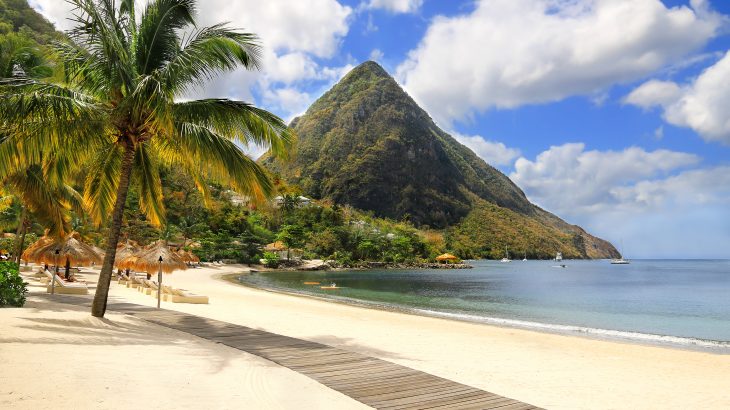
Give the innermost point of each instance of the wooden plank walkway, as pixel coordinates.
(374, 382)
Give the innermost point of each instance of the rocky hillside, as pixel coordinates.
(366, 143)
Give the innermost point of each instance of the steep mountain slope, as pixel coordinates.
(368, 144)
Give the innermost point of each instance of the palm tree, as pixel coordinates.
(47, 198)
(119, 110)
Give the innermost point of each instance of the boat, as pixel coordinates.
(620, 260)
(506, 259)
(559, 257)
(524, 259)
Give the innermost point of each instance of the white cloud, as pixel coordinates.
(507, 53)
(653, 93)
(312, 26)
(703, 105)
(569, 180)
(376, 54)
(288, 100)
(291, 33)
(56, 11)
(649, 200)
(494, 153)
(396, 6)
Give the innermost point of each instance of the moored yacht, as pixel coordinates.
(506, 258)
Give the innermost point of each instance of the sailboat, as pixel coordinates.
(506, 259)
(621, 260)
(525, 258)
(559, 257)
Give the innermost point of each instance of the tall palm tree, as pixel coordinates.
(119, 110)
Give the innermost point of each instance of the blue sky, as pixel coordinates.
(613, 114)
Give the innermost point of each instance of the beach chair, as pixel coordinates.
(67, 288)
(184, 296)
(167, 293)
(134, 282)
(149, 287)
(123, 279)
(143, 286)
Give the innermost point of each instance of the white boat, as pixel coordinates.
(621, 260)
(524, 259)
(559, 257)
(506, 259)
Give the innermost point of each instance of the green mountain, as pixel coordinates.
(366, 143)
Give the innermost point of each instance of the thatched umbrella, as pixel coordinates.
(187, 256)
(72, 249)
(157, 258)
(148, 260)
(29, 253)
(447, 258)
(125, 256)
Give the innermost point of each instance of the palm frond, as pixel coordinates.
(240, 121)
(100, 188)
(157, 38)
(207, 53)
(216, 157)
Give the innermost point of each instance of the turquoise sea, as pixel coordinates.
(674, 302)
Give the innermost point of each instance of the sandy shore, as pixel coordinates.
(56, 356)
(552, 371)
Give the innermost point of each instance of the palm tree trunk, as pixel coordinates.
(98, 307)
(67, 268)
(20, 235)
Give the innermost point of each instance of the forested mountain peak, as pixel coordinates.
(368, 144)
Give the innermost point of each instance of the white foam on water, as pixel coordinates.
(616, 334)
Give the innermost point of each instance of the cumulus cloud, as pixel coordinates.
(657, 203)
(653, 93)
(702, 105)
(292, 34)
(568, 179)
(508, 53)
(494, 153)
(395, 6)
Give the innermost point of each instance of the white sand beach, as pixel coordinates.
(95, 364)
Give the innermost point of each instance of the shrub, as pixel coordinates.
(271, 260)
(12, 287)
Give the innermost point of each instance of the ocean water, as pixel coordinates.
(674, 302)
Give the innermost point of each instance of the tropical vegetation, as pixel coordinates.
(117, 111)
(12, 287)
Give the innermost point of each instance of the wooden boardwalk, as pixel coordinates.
(374, 382)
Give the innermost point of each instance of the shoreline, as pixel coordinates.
(717, 347)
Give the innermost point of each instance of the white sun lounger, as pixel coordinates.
(66, 288)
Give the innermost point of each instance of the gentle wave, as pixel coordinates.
(616, 334)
